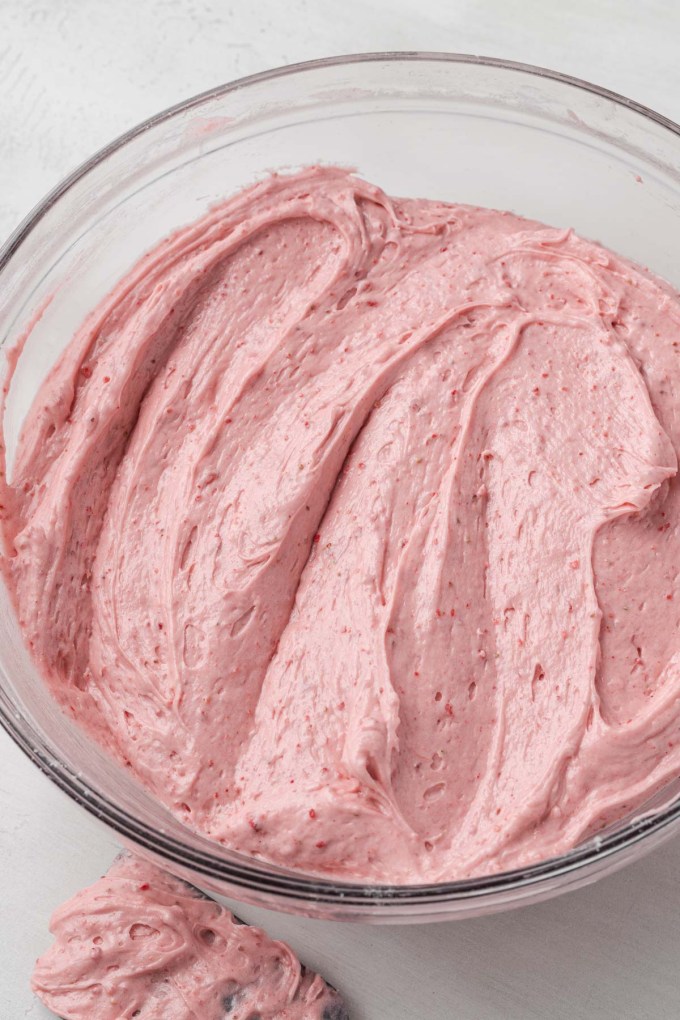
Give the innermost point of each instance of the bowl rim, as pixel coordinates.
(254, 873)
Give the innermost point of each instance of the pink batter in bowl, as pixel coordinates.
(456, 128)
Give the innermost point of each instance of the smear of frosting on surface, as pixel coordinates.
(351, 524)
(140, 943)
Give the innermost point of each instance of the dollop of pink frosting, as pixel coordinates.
(351, 525)
(141, 943)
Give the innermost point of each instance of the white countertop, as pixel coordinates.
(75, 73)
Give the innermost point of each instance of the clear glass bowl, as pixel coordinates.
(461, 128)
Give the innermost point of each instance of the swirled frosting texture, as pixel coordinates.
(350, 524)
(142, 944)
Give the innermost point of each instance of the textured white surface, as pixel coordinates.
(73, 74)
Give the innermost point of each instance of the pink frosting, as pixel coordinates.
(350, 524)
(140, 943)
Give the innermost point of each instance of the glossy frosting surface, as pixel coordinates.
(351, 525)
(141, 943)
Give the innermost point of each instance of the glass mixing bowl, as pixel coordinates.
(461, 128)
